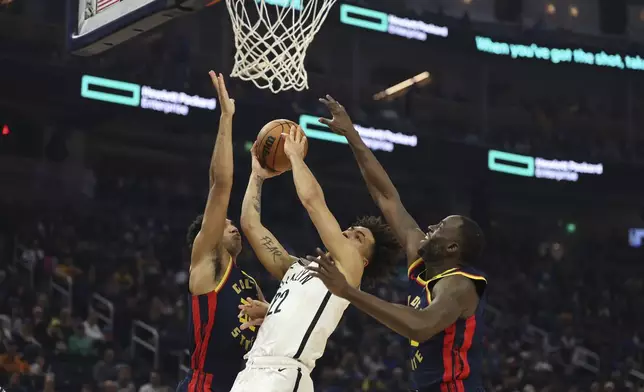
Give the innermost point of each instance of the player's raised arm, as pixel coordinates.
(221, 180)
(312, 198)
(268, 249)
(454, 297)
(380, 186)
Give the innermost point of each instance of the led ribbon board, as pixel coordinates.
(145, 97)
(388, 23)
(558, 55)
(527, 166)
(375, 139)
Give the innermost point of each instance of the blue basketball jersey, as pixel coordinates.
(450, 361)
(218, 345)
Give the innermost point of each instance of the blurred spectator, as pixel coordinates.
(92, 330)
(124, 381)
(10, 362)
(79, 343)
(154, 385)
(106, 368)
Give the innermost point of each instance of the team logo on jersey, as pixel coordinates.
(302, 277)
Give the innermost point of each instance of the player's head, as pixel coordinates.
(376, 244)
(231, 239)
(455, 237)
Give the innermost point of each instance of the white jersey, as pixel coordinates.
(300, 319)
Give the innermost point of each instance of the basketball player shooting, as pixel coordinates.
(217, 285)
(446, 296)
(303, 313)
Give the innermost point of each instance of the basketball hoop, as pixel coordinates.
(271, 39)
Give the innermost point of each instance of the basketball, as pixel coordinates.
(270, 145)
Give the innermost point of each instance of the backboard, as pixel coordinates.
(94, 26)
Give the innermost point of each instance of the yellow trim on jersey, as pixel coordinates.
(226, 275)
(413, 265)
(249, 277)
(442, 274)
(449, 273)
(411, 268)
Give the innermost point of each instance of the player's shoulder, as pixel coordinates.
(477, 277)
(472, 273)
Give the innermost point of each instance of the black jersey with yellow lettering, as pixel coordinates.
(450, 361)
(217, 343)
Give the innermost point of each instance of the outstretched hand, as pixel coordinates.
(341, 122)
(257, 168)
(226, 103)
(328, 273)
(254, 311)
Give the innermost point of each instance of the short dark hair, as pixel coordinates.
(472, 240)
(193, 230)
(386, 249)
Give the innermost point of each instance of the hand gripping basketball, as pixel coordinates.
(257, 167)
(295, 145)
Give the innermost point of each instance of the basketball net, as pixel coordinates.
(271, 39)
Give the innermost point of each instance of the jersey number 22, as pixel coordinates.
(280, 296)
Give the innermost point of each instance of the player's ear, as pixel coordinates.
(453, 247)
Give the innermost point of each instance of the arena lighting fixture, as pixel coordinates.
(574, 11)
(421, 77)
(551, 9)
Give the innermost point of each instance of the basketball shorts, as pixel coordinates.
(273, 374)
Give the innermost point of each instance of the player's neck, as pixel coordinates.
(438, 267)
(225, 259)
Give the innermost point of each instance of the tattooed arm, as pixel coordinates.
(269, 251)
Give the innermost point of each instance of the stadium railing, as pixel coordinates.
(183, 368)
(151, 343)
(103, 308)
(64, 285)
